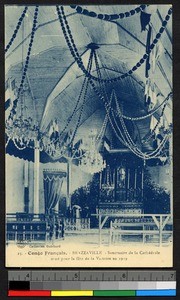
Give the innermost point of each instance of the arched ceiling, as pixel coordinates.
(54, 79)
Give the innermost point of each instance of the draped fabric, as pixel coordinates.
(10, 98)
(150, 94)
(52, 189)
(155, 55)
(28, 153)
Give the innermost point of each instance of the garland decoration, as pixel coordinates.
(59, 146)
(84, 99)
(13, 110)
(16, 29)
(83, 89)
(107, 17)
(125, 139)
(152, 112)
(74, 51)
(153, 132)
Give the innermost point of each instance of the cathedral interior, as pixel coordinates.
(88, 123)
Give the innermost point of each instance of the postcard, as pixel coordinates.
(88, 126)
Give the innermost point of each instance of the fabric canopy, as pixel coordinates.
(52, 189)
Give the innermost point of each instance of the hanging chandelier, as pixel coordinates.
(22, 132)
(56, 142)
(92, 161)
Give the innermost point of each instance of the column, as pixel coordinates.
(68, 198)
(78, 221)
(135, 179)
(128, 180)
(135, 185)
(26, 186)
(56, 208)
(100, 237)
(36, 177)
(160, 230)
(142, 180)
(115, 184)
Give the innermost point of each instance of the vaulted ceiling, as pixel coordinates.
(54, 79)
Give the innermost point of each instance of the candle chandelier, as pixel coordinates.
(24, 132)
(56, 141)
(92, 161)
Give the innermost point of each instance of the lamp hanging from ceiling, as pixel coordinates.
(25, 132)
(92, 161)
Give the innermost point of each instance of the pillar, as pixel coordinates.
(142, 180)
(135, 179)
(68, 198)
(160, 230)
(100, 232)
(78, 222)
(26, 186)
(36, 177)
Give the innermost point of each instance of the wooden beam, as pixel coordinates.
(160, 231)
(104, 221)
(165, 221)
(68, 198)
(100, 237)
(26, 186)
(156, 221)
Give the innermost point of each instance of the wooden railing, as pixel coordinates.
(151, 228)
(38, 227)
(22, 227)
(72, 224)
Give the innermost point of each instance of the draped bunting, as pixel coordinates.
(10, 98)
(150, 94)
(52, 189)
(54, 129)
(155, 55)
